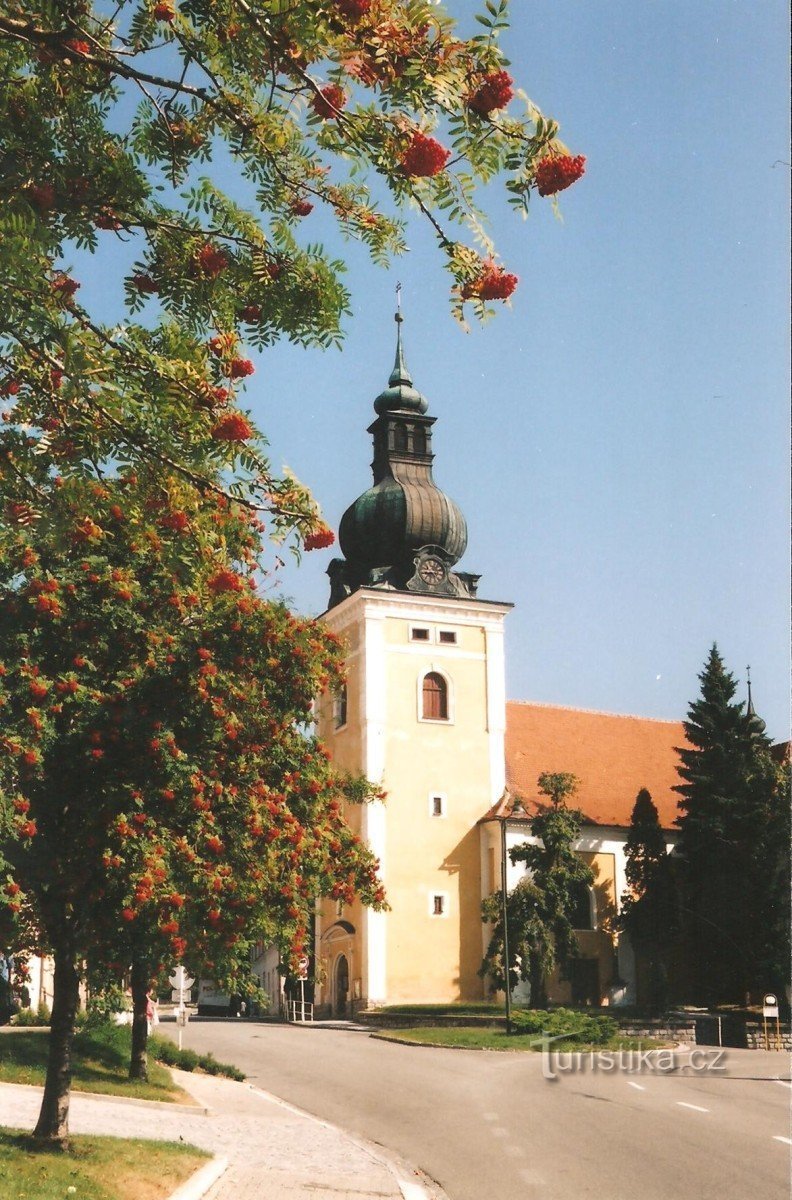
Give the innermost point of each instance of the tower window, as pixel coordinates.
(434, 697)
(400, 438)
(437, 805)
(438, 908)
(419, 440)
(447, 636)
(340, 707)
(419, 634)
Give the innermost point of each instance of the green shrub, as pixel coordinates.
(33, 1018)
(567, 1023)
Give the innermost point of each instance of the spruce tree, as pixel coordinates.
(727, 794)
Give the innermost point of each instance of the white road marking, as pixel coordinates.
(639, 1087)
(697, 1107)
(786, 1141)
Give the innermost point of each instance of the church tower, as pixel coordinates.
(422, 716)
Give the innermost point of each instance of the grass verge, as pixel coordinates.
(498, 1039)
(101, 1063)
(97, 1168)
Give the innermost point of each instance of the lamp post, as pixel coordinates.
(517, 810)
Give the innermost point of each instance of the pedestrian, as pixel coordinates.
(152, 1014)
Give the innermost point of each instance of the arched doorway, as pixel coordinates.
(341, 988)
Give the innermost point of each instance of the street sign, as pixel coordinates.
(302, 969)
(180, 981)
(770, 1006)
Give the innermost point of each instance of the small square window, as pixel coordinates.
(438, 906)
(437, 806)
(418, 634)
(448, 637)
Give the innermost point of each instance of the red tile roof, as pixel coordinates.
(613, 756)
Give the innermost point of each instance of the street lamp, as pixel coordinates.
(517, 810)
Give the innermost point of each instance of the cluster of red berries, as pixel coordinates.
(163, 11)
(558, 171)
(493, 283)
(41, 195)
(238, 368)
(78, 47)
(319, 539)
(106, 219)
(211, 261)
(145, 284)
(64, 286)
(301, 207)
(353, 10)
(232, 428)
(329, 101)
(424, 156)
(494, 91)
(225, 581)
(251, 313)
(177, 521)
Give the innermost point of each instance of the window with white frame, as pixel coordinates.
(447, 637)
(420, 633)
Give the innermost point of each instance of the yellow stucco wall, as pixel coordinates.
(429, 957)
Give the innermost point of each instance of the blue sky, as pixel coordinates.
(618, 439)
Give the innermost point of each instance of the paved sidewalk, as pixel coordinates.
(274, 1151)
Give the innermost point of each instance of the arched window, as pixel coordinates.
(582, 915)
(400, 438)
(419, 440)
(435, 698)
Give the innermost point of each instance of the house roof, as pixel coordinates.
(613, 756)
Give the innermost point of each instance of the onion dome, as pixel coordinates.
(756, 726)
(404, 520)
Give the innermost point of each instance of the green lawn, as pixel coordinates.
(101, 1062)
(498, 1039)
(96, 1168)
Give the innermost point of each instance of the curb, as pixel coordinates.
(195, 1110)
(199, 1184)
(413, 1183)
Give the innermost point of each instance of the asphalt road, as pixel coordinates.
(488, 1125)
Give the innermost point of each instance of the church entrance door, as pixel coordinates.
(341, 986)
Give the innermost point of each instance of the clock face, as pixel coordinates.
(432, 571)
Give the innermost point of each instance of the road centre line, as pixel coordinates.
(786, 1141)
(639, 1087)
(697, 1107)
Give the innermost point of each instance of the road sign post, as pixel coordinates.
(770, 1011)
(181, 983)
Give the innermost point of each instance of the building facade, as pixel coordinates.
(424, 717)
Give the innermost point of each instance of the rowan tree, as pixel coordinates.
(159, 785)
(125, 445)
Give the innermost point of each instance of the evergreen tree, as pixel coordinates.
(540, 907)
(648, 910)
(729, 804)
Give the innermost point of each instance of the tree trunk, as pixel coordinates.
(53, 1122)
(138, 1061)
